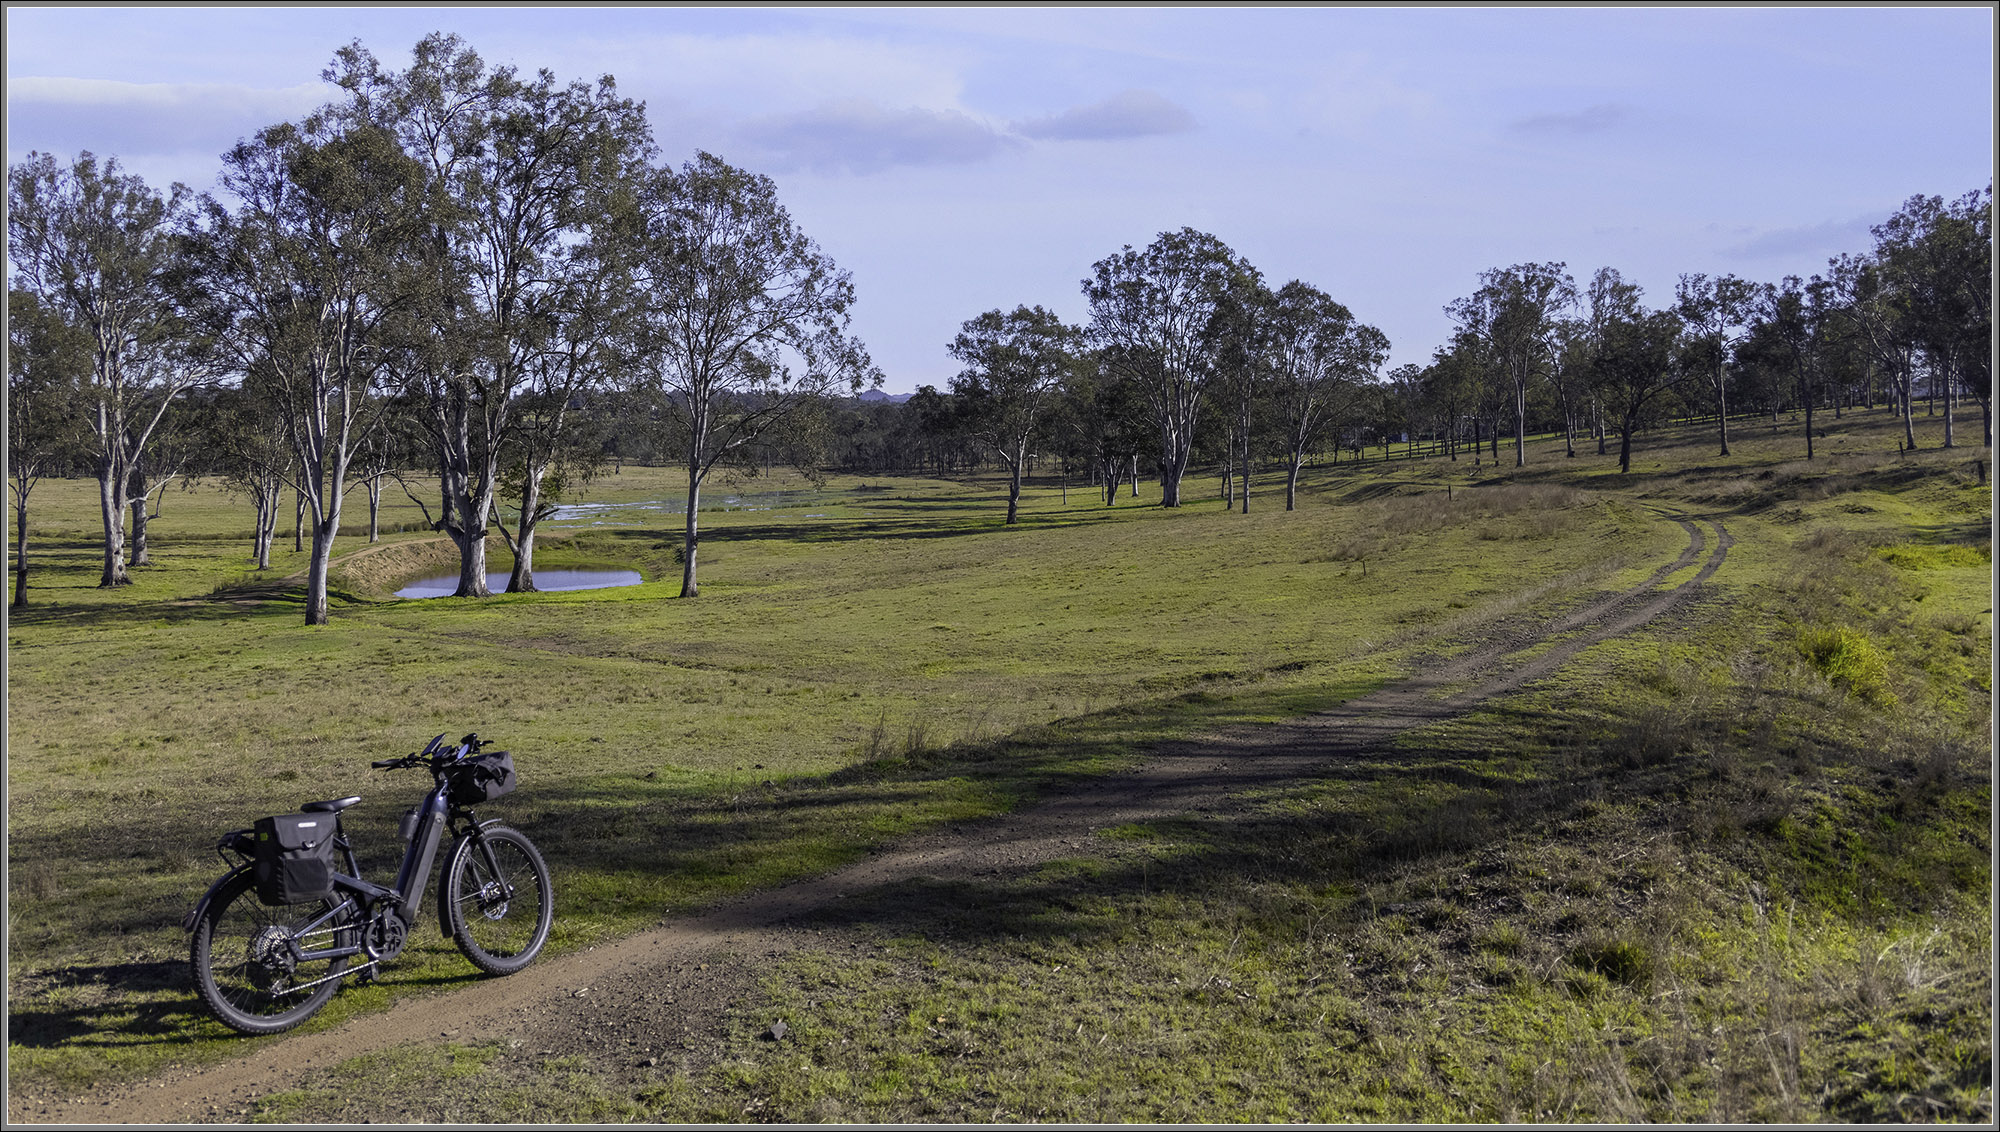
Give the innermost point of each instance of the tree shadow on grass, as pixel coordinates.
(918, 528)
(1360, 817)
(251, 599)
(1457, 793)
(629, 849)
(137, 1003)
(153, 1002)
(635, 850)
(1461, 798)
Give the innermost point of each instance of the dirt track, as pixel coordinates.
(650, 998)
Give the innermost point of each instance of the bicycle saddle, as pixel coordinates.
(330, 806)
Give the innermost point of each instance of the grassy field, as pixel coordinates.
(1734, 867)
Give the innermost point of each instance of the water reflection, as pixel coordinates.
(546, 580)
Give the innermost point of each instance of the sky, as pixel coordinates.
(959, 160)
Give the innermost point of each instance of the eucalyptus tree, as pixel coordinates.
(1876, 308)
(1319, 359)
(932, 430)
(1064, 431)
(1633, 357)
(1609, 300)
(384, 451)
(1403, 394)
(745, 318)
(1941, 258)
(1515, 311)
(1850, 366)
(1015, 366)
(1973, 221)
(1161, 319)
(555, 445)
(310, 264)
(1717, 312)
(520, 172)
(1112, 419)
(178, 446)
(106, 254)
(1451, 385)
(1243, 376)
(48, 369)
(1761, 367)
(1495, 401)
(255, 457)
(1569, 376)
(1798, 315)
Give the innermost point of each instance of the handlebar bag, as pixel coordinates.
(482, 778)
(293, 861)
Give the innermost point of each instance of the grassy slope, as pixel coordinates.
(1608, 898)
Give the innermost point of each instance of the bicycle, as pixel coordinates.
(273, 937)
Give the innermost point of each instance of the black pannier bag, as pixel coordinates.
(482, 778)
(293, 862)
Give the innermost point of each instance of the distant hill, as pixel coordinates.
(892, 398)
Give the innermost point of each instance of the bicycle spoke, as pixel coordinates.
(248, 964)
(499, 899)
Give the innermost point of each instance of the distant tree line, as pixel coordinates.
(1909, 322)
(1189, 357)
(480, 288)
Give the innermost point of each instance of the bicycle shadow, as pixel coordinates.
(147, 1002)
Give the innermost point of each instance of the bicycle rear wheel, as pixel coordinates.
(498, 910)
(244, 961)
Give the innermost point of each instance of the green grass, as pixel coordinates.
(1549, 910)
(672, 752)
(1695, 881)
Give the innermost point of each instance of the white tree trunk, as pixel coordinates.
(111, 501)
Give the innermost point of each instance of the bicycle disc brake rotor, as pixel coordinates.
(493, 900)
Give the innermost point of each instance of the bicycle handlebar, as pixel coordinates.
(436, 752)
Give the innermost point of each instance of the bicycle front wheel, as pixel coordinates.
(246, 958)
(497, 899)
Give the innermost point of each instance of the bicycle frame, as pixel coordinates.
(434, 819)
(264, 970)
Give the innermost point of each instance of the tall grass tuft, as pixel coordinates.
(1848, 660)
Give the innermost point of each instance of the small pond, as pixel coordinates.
(545, 580)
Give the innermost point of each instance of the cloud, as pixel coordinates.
(858, 136)
(1590, 120)
(110, 117)
(1127, 114)
(752, 75)
(1810, 239)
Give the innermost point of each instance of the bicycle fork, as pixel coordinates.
(497, 879)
